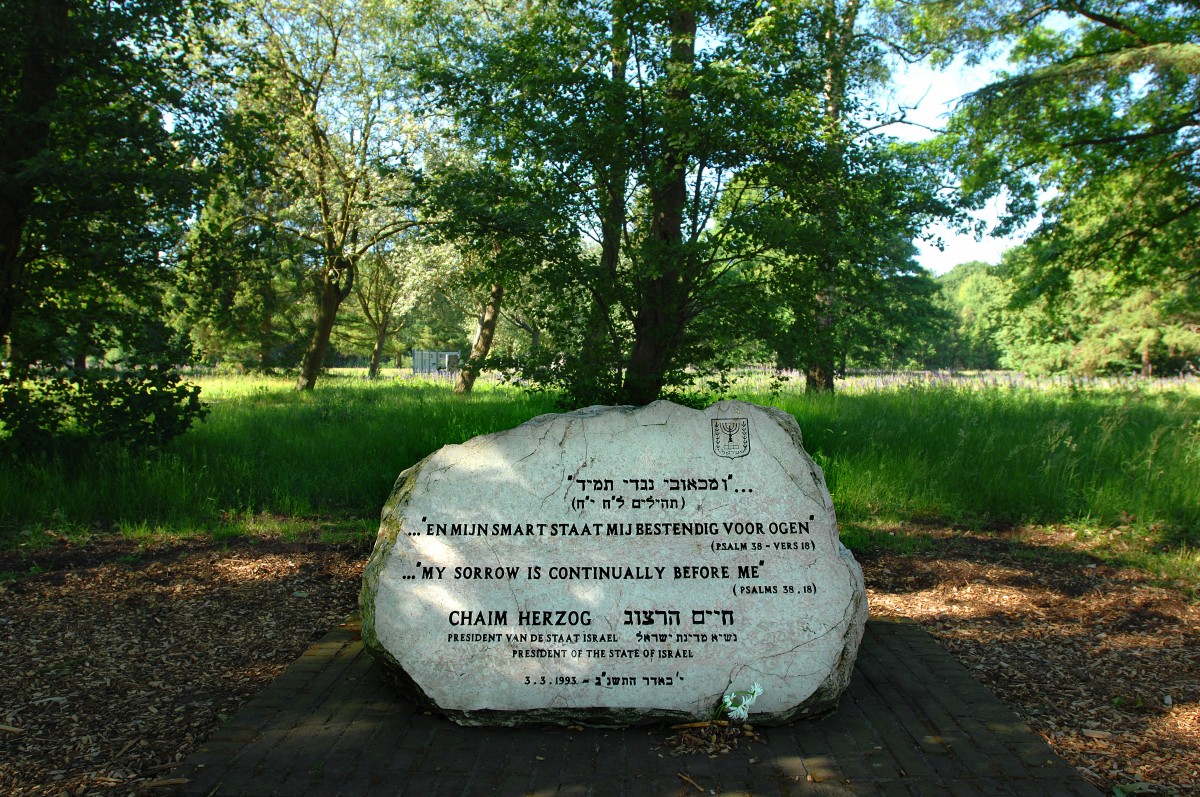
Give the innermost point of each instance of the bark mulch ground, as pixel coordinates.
(118, 657)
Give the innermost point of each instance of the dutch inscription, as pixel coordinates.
(615, 566)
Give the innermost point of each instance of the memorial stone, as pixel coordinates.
(614, 566)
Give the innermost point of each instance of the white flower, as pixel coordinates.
(737, 704)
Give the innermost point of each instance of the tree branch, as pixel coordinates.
(1106, 21)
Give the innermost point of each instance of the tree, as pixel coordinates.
(838, 44)
(395, 281)
(105, 120)
(975, 294)
(1101, 114)
(343, 141)
(892, 319)
(1100, 325)
(438, 325)
(101, 119)
(845, 282)
(872, 197)
(642, 115)
(243, 278)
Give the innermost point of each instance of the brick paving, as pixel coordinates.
(913, 722)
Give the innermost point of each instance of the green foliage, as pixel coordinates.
(240, 293)
(330, 142)
(1097, 323)
(1099, 111)
(105, 133)
(138, 410)
(889, 320)
(1094, 128)
(106, 123)
(975, 294)
(580, 366)
(501, 224)
(29, 416)
(397, 283)
(619, 124)
(841, 285)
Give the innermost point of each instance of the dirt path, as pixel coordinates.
(116, 659)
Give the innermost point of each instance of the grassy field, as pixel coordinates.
(1119, 466)
(1120, 469)
(266, 458)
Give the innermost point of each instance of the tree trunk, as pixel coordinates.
(614, 173)
(333, 293)
(381, 335)
(25, 132)
(664, 302)
(818, 378)
(839, 36)
(489, 317)
(658, 329)
(314, 355)
(819, 369)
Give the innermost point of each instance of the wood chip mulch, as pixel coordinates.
(1099, 661)
(118, 658)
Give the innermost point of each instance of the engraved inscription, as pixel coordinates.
(615, 565)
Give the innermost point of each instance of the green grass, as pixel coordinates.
(1005, 457)
(1122, 468)
(266, 460)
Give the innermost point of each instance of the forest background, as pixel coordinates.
(609, 201)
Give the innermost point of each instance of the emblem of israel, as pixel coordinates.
(731, 437)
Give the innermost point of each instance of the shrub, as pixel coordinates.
(137, 410)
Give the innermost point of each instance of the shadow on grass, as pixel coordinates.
(1026, 549)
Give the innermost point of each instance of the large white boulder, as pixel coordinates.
(617, 565)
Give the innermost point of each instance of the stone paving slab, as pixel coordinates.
(913, 722)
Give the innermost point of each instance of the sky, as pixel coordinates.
(931, 95)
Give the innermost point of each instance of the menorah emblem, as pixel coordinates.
(731, 437)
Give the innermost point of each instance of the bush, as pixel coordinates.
(136, 410)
